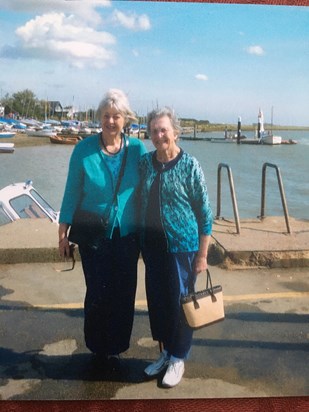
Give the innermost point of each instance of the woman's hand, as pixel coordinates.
(200, 260)
(64, 248)
(200, 263)
(64, 245)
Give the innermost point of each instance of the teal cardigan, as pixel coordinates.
(90, 184)
(184, 204)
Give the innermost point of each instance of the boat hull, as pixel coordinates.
(271, 139)
(33, 205)
(40, 133)
(65, 140)
(7, 147)
(7, 135)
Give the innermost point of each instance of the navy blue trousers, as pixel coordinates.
(167, 278)
(111, 277)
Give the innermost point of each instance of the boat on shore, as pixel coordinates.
(8, 123)
(64, 139)
(23, 201)
(40, 132)
(7, 134)
(7, 147)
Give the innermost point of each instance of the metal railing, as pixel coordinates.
(233, 195)
(282, 194)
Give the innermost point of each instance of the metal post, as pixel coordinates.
(282, 194)
(233, 195)
(238, 130)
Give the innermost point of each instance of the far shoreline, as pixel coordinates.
(232, 127)
(23, 140)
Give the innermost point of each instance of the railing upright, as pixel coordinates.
(233, 195)
(282, 194)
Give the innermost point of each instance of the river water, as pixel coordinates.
(47, 165)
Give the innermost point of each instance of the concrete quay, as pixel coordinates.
(257, 352)
(261, 243)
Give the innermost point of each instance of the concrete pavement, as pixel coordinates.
(259, 350)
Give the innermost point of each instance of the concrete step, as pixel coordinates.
(260, 243)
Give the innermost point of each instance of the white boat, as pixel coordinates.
(22, 201)
(137, 128)
(266, 137)
(7, 147)
(41, 132)
(11, 124)
(269, 138)
(6, 134)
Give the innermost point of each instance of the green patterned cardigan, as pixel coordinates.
(184, 203)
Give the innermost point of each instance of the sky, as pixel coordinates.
(208, 61)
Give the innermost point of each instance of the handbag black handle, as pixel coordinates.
(121, 173)
(208, 282)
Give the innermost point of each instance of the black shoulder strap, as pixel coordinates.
(121, 173)
(123, 165)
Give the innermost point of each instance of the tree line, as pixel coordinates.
(25, 104)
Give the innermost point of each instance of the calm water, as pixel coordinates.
(47, 166)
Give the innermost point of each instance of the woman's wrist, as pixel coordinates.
(62, 232)
(201, 255)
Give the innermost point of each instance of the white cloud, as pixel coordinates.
(257, 50)
(54, 35)
(68, 30)
(83, 8)
(132, 21)
(201, 77)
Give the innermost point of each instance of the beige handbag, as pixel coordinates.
(205, 307)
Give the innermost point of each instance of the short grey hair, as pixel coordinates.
(164, 111)
(117, 98)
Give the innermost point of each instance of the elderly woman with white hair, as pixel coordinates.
(109, 255)
(176, 223)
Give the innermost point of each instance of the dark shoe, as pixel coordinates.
(96, 368)
(100, 361)
(117, 367)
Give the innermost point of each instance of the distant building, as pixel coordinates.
(70, 112)
(55, 109)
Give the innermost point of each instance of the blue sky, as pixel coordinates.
(207, 61)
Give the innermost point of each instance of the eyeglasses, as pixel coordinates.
(66, 264)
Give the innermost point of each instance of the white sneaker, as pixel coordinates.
(174, 373)
(158, 366)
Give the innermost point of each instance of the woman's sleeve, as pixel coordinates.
(201, 203)
(73, 188)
